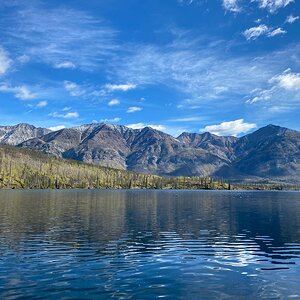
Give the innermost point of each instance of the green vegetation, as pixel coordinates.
(27, 169)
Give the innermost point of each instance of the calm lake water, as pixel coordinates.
(147, 244)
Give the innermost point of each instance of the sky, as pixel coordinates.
(223, 66)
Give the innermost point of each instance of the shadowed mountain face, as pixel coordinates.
(271, 152)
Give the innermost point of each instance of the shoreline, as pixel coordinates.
(234, 188)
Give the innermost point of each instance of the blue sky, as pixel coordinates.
(224, 66)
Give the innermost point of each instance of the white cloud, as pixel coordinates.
(195, 71)
(120, 87)
(24, 93)
(113, 102)
(187, 119)
(65, 65)
(66, 108)
(194, 68)
(255, 32)
(73, 89)
(261, 95)
(233, 128)
(56, 128)
(291, 19)
(142, 125)
(42, 104)
(21, 92)
(220, 89)
(133, 109)
(69, 115)
(231, 5)
(281, 95)
(57, 35)
(113, 120)
(273, 5)
(276, 31)
(5, 61)
(287, 80)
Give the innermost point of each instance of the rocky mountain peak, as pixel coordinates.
(14, 135)
(269, 152)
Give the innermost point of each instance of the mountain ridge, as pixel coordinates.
(271, 152)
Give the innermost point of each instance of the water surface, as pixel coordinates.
(149, 244)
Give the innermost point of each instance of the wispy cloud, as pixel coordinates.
(65, 65)
(120, 87)
(277, 31)
(197, 70)
(5, 61)
(69, 115)
(287, 80)
(58, 36)
(291, 19)
(255, 32)
(66, 108)
(21, 92)
(262, 30)
(73, 88)
(186, 119)
(281, 95)
(270, 5)
(231, 5)
(133, 109)
(233, 128)
(41, 104)
(23, 59)
(188, 2)
(113, 120)
(273, 5)
(199, 73)
(114, 102)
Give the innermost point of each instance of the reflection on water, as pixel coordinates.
(145, 244)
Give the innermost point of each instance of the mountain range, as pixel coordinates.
(271, 152)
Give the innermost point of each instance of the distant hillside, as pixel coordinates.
(22, 168)
(270, 153)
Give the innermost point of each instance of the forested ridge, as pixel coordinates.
(27, 169)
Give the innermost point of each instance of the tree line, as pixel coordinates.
(28, 169)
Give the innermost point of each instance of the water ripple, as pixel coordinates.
(149, 245)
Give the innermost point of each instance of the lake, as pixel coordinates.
(103, 244)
